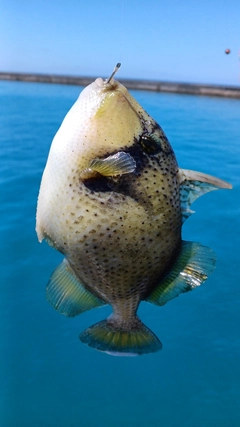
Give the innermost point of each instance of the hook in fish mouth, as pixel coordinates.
(107, 84)
(114, 72)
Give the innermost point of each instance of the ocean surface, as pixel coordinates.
(48, 377)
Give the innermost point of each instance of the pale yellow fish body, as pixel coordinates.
(109, 237)
(117, 222)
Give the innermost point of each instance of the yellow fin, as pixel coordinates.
(116, 164)
(67, 295)
(189, 175)
(193, 185)
(118, 342)
(192, 267)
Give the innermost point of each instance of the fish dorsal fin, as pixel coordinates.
(192, 267)
(195, 184)
(67, 295)
(116, 164)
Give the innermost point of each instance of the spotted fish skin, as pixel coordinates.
(120, 232)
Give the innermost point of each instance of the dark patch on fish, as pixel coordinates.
(97, 183)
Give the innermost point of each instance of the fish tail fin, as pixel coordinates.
(106, 337)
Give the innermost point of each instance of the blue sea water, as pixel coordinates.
(47, 376)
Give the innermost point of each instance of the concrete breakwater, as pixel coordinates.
(150, 85)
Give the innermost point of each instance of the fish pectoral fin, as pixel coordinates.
(192, 267)
(195, 184)
(118, 342)
(67, 295)
(117, 164)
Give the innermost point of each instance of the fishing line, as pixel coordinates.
(122, 30)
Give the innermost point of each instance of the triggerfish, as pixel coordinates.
(113, 201)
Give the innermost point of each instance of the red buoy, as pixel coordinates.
(227, 51)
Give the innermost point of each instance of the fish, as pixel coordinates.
(113, 200)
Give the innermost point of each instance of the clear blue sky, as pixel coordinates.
(173, 40)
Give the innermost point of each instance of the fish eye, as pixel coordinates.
(150, 144)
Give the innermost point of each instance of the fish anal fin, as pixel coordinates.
(117, 164)
(193, 185)
(67, 295)
(192, 267)
(105, 337)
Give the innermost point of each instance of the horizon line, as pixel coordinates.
(130, 83)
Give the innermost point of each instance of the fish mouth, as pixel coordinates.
(109, 83)
(105, 85)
